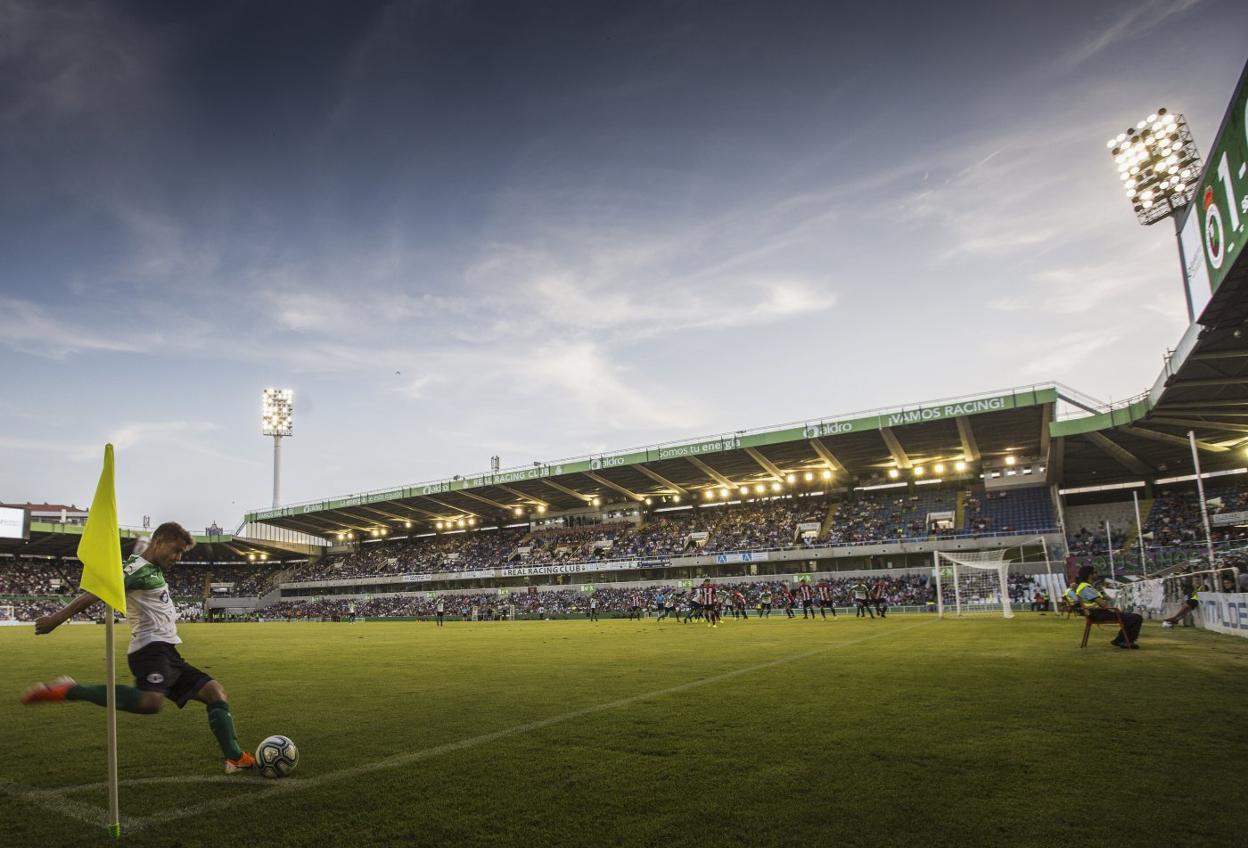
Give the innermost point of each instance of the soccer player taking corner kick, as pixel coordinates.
(159, 671)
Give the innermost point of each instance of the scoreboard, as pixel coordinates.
(14, 523)
(1221, 207)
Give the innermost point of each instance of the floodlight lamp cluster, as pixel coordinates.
(277, 412)
(1158, 164)
(462, 522)
(960, 466)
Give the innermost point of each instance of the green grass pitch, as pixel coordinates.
(907, 731)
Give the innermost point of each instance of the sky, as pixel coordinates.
(544, 230)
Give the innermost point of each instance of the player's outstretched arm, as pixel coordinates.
(48, 623)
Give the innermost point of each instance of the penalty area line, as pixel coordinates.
(296, 785)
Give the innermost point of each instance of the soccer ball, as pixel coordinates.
(276, 757)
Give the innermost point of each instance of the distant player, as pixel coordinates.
(861, 595)
(807, 593)
(694, 609)
(879, 596)
(634, 606)
(666, 604)
(824, 591)
(439, 610)
(738, 604)
(710, 602)
(789, 601)
(764, 604)
(159, 671)
(593, 608)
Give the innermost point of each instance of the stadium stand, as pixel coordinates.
(1016, 510)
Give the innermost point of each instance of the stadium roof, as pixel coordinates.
(862, 447)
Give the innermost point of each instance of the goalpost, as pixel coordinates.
(972, 582)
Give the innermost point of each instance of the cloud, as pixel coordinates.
(1058, 357)
(1137, 18)
(28, 328)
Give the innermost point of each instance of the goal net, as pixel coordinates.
(972, 582)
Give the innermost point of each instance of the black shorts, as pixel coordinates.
(1192, 602)
(158, 667)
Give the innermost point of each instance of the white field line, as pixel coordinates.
(47, 798)
(53, 801)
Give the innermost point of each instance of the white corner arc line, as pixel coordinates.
(286, 786)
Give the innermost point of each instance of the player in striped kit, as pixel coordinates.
(807, 593)
(879, 597)
(788, 602)
(710, 605)
(738, 604)
(824, 590)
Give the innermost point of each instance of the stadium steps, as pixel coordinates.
(829, 520)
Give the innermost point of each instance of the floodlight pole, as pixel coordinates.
(1200, 491)
(1109, 545)
(277, 469)
(1187, 287)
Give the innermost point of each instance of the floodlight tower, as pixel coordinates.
(277, 419)
(1159, 167)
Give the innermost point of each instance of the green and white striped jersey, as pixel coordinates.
(153, 617)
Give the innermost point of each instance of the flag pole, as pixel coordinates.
(99, 550)
(114, 804)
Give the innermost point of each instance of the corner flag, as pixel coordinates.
(100, 546)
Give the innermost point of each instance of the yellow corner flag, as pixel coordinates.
(100, 546)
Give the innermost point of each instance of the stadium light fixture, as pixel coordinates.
(277, 419)
(808, 476)
(827, 474)
(919, 471)
(675, 498)
(438, 525)
(959, 466)
(1159, 167)
(1010, 460)
(649, 501)
(723, 494)
(938, 468)
(893, 473)
(264, 556)
(597, 501)
(518, 511)
(541, 509)
(250, 557)
(759, 489)
(775, 487)
(472, 521)
(743, 491)
(791, 479)
(707, 495)
(407, 525)
(460, 523)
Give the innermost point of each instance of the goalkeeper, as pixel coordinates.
(159, 670)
